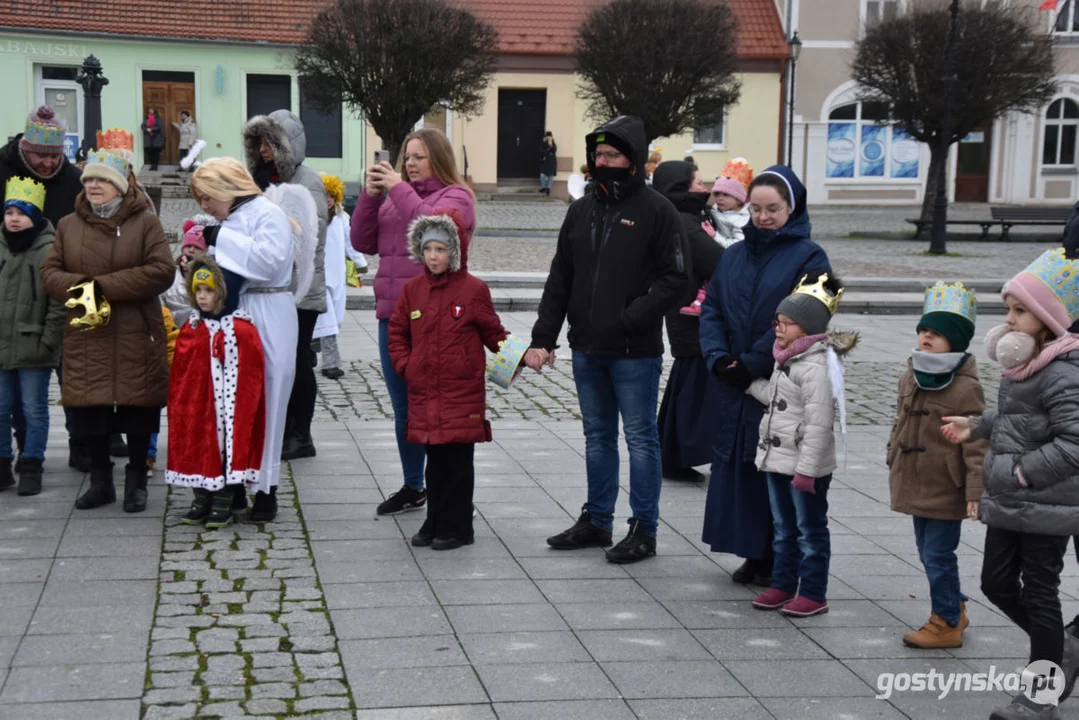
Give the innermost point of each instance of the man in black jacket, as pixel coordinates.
(619, 267)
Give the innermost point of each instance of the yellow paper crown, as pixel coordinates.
(203, 277)
(335, 187)
(739, 170)
(115, 139)
(953, 298)
(820, 292)
(25, 190)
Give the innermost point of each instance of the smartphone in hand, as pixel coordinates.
(382, 156)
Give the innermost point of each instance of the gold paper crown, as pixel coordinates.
(738, 170)
(335, 187)
(96, 314)
(820, 292)
(115, 139)
(203, 277)
(25, 190)
(954, 298)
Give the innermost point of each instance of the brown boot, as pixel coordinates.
(934, 635)
(963, 620)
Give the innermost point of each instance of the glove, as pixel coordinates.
(209, 234)
(737, 376)
(722, 365)
(805, 483)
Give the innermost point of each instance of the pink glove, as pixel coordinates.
(805, 483)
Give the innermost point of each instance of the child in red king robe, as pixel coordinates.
(216, 400)
(442, 321)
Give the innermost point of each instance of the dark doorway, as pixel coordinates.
(522, 115)
(266, 93)
(972, 166)
(169, 93)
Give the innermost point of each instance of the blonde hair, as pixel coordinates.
(439, 152)
(223, 179)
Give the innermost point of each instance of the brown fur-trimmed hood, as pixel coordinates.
(202, 260)
(446, 225)
(285, 134)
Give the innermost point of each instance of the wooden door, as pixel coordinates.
(521, 118)
(972, 166)
(168, 98)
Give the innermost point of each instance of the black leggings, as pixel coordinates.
(138, 447)
(301, 404)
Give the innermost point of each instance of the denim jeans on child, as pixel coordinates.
(151, 452)
(546, 181)
(607, 387)
(802, 544)
(412, 456)
(937, 541)
(33, 391)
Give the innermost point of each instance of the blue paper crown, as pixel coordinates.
(42, 135)
(502, 370)
(953, 298)
(111, 159)
(1060, 275)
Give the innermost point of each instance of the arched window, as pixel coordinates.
(1061, 124)
(1066, 21)
(862, 144)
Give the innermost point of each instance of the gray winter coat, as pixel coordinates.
(285, 134)
(31, 323)
(1035, 429)
(189, 133)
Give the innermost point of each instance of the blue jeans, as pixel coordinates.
(30, 387)
(937, 541)
(151, 452)
(802, 545)
(412, 456)
(546, 181)
(607, 386)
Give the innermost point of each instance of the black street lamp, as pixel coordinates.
(92, 81)
(794, 49)
(938, 244)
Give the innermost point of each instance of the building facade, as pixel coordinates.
(848, 154)
(236, 62)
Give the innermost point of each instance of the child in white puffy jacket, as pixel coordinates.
(797, 444)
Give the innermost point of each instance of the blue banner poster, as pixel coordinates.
(841, 150)
(874, 150)
(905, 153)
(71, 145)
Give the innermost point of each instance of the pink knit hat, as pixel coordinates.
(1039, 299)
(193, 236)
(735, 179)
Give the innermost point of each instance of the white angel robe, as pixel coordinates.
(256, 243)
(329, 322)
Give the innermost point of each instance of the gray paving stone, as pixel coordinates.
(172, 695)
(705, 709)
(487, 592)
(273, 690)
(171, 647)
(504, 618)
(760, 644)
(546, 681)
(170, 712)
(271, 659)
(357, 624)
(379, 654)
(174, 664)
(266, 706)
(322, 687)
(829, 708)
(274, 674)
(171, 679)
(523, 647)
(222, 710)
(51, 683)
(81, 709)
(328, 673)
(227, 692)
(616, 615)
(565, 710)
(321, 703)
(637, 645)
(402, 687)
(451, 712)
(794, 678)
(672, 679)
(260, 645)
(378, 594)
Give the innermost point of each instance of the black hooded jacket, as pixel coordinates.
(672, 180)
(620, 262)
(60, 190)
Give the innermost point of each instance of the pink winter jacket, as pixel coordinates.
(381, 226)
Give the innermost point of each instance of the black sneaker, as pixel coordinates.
(636, 546)
(583, 534)
(404, 499)
(333, 373)
(297, 446)
(7, 478)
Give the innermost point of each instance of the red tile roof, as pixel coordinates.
(527, 27)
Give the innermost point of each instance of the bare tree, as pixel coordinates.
(670, 62)
(395, 59)
(1004, 63)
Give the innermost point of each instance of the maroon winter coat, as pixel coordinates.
(437, 335)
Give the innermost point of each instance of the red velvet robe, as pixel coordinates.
(217, 406)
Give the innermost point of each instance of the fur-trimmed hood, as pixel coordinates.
(446, 225)
(202, 260)
(842, 341)
(285, 134)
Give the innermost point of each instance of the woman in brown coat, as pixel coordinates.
(116, 375)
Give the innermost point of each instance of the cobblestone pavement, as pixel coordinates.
(329, 613)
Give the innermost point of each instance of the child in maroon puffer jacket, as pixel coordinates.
(437, 333)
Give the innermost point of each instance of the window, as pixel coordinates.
(1066, 22)
(1061, 124)
(266, 93)
(877, 11)
(862, 144)
(711, 137)
(323, 130)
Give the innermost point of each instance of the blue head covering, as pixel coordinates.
(798, 225)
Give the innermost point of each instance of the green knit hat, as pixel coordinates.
(958, 330)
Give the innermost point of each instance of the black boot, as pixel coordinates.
(264, 509)
(583, 534)
(298, 445)
(425, 535)
(239, 497)
(77, 456)
(200, 507)
(134, 489)
(30, 477)
(102, 490)
(754, 572)
(220, 510)
(20, 443)
(117, 446)
(7, 479)
(634, 547)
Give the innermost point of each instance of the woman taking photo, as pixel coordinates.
(387, 206)
(254, 241)
(736, 339)
(111, 252)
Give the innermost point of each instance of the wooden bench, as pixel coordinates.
(1009, 216)
(922, 225)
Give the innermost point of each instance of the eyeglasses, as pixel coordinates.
(782, 324)
(417, 157)
(608, 155)
(771, 210)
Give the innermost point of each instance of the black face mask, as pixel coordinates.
(612, 182)
(20, 241)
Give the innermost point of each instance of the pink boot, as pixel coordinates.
(694, 309)
(802, 606)
(772, 599)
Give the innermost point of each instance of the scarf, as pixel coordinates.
(935, 371)
(37, 175)
(267, 175)
(799, 346)
(108, 209)
(151, 120)
(21, 241)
